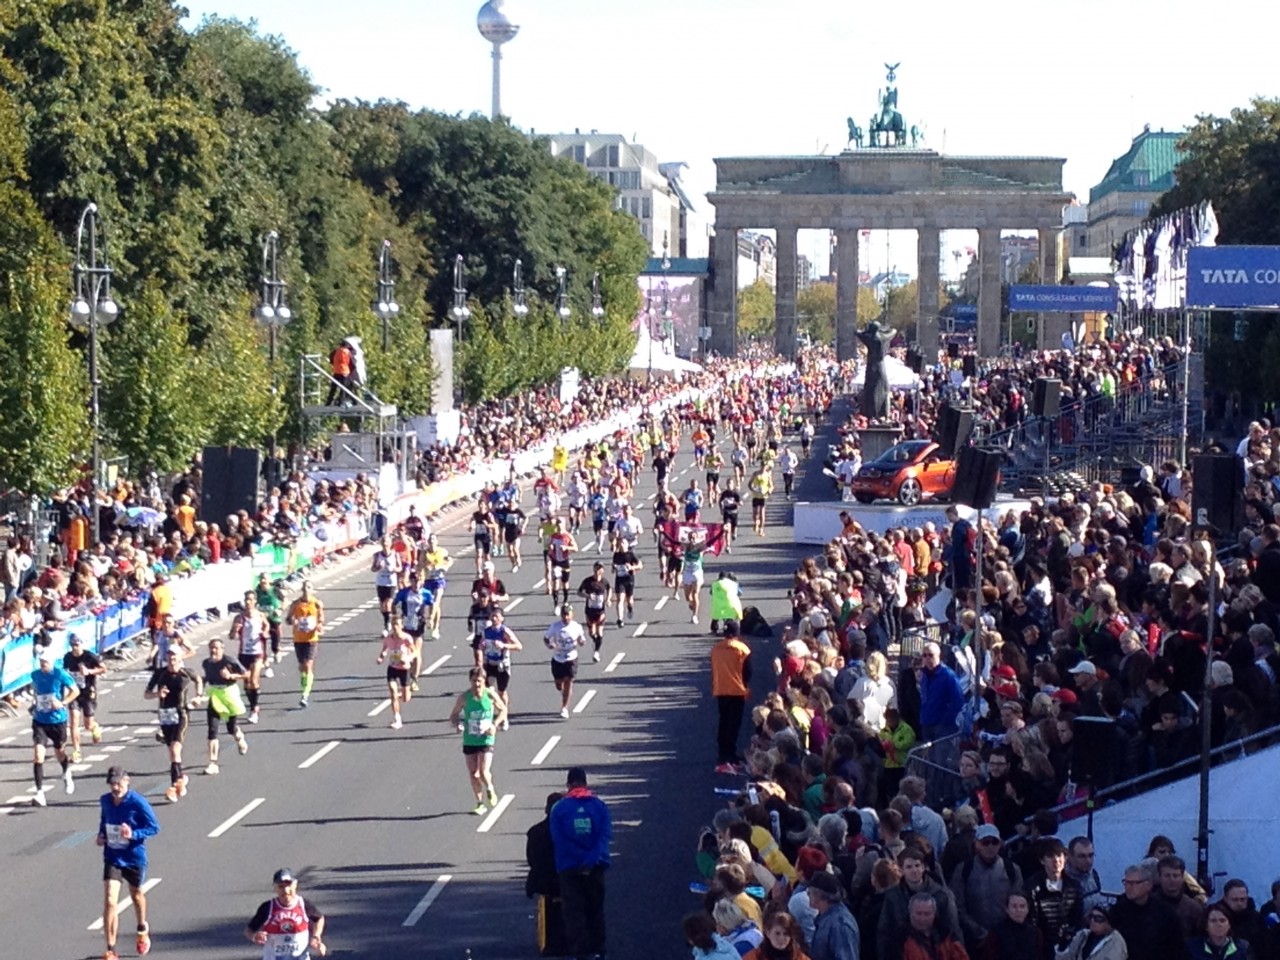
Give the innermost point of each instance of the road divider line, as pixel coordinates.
(380, 707)
(513, 604)
(540, 583)
(586, 699)
(125, 903)
(662, 601)
(435, 666)
(641, 629)
(236, 817)
(95, 758)
(21, 799)
(436, 889)
(5, 811)
(495, 813)
(613, 664)
(545, 752)
(7, 740)
(319, 755)
(114, 748)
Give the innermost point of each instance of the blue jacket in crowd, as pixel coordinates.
(581, 830)
(134, 810)
(940, 697)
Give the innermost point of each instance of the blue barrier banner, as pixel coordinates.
(1041, 298)
(16, 663)
(1233, 277)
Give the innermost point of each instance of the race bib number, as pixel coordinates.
(479, 726)
(306, 624)
(169, 716)
(114, 840)
(595, 601)
(621, 570)
(45, 702)
(287, 945)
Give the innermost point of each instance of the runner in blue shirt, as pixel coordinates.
(54, 688)
(125, 822)
(414, 603)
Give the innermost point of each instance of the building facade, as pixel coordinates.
(1123, 198)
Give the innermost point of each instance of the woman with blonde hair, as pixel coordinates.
(874, 691)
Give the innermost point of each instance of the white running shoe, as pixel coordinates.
(564, 713)
(268, 673)
(506, 724)
(693, 619)
(396, 722)
(242, 745)
(39, 799)
(211, 770)
(253, 715)
(69, 782)
(595, 657)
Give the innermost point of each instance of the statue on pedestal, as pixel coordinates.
(874, 404)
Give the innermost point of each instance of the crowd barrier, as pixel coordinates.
(221, 584)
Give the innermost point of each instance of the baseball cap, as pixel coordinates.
(826, 884)
(116, 774)
(987, 832)
(1065, 697)
(1084, 666)
(283, 875)
(46, 655)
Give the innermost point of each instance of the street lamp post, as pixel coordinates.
(272, 310)
(385, 307)
(668, 328)
(597, 299)
(562, 295)
(92, 306)
(459, 312)
(518, 305)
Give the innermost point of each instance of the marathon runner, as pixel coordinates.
(413, 604)
(629, 526)
(167, 637)
(169, 685)
(692, 499)
(598, 504)
(713, 462)
(701, 442)
(560, 549)
(761, 485)
(578, 492)
(306, 616)
(249, 631)
(286, 925)
(85, 667)
(691, 570)
(513, 523)
(476, 713)
(730, 504)
(787, 461)
(498, 642)
(484, 527)
(564, 638)
(436, 563)
(386, 576)
(596, 591)
(625, 565)
(125, 821)
(270, 597)
(399, 651)
(54, 688)
(806, 437)
(221, 684)
(739, 457)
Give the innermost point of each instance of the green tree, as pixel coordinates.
(756, 310)
(1235, 162)
(816, 309)
(153, 398)
(239, 406)
(902, 306)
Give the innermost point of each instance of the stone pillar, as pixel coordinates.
(927, 284)
(722, 298)
(989, 291)
(846, 294)
(785, 295)
(1052, 325)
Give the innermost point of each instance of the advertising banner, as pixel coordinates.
(1041, 298)
(1233, 277)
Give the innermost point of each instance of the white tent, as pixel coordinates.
(899, 374)
(651, 355)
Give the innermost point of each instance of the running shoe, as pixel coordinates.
(96, 732)
(564, 713)
(694, 619)
(242, 744)
(302, 702)
(506, 724)
(396, 722)
(110, 954)
(492, 796)
(69, 782)
(75, 755)
(182, 786)
(479, 809)
(39, 800)
(211, 770)
(435, 634)
(413, 686)
(253, 715)
(171, 794)
(268, 673)
(595, 657)
(619, 623)
(143, 943)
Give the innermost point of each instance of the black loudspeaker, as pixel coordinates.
(915, 362)
(229, 482)
(970, 368)
(954, 427)
(1095, 751)
(977, 475)
(1129, 476)
(1217, 502)
(1046, 398)
(953, 351)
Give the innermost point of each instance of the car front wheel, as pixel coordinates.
(909, 493)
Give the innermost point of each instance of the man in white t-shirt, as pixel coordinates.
(564, 639)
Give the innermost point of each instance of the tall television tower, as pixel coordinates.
(496, 27)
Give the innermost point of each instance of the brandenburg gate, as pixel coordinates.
(891, 184)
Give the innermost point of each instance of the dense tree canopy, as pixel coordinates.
(194, 145)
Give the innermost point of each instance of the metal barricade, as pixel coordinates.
(938, 764)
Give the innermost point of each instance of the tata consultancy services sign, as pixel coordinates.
(1233, 277)
(1031, 298)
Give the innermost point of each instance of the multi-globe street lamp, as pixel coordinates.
(91, 307)
(385, 307)
(597, 298)
(272, 310)
(518, 305)
(562, 295)
(459, 312)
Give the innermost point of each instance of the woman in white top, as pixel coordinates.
(874, 691)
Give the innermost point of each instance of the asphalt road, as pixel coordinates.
(376, 822)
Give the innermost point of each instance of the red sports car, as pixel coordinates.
(907, 472)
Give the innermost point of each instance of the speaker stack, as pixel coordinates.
(1217, 494)
(229, 482)
(977, 476)
(954, 427)
(1046, 397)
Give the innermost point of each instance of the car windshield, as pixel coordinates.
(903, 452)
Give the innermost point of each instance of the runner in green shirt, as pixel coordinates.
(477, 713)
(270, 597)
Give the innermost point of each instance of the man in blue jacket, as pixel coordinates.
(125, 822)
(941, 700)
(581, 830)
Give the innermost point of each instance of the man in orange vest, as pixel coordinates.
(730, 684)
(340, 369)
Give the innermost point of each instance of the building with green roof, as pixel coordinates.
(1123, 198)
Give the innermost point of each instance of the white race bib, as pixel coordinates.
(44, 702)
(169, 716)
(306, 624)
(286, 945)
(114, 840)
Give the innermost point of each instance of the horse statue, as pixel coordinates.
(855, 134)
(889, 121)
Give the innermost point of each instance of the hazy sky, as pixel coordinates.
(697, 79)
